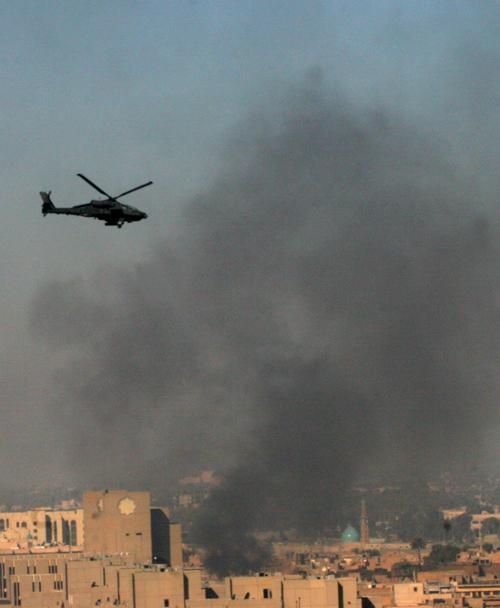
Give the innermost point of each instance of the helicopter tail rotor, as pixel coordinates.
(47, 205)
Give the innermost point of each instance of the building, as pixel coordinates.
(24, 530)
(350, 535)
(75, 581)
(64, 581)
(166, 538)
(363, 525)
(118, 522)
(474, 593)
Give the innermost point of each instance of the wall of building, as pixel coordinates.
(118, 522)
(166, 538)
(83, 582)
(41, 527)
(408, 594)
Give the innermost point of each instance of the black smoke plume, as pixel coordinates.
(325, 309)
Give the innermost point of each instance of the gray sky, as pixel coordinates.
(125, 92)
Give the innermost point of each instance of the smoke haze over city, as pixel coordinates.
(321, 307)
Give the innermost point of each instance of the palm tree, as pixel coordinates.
(447, 529)
(417, 544)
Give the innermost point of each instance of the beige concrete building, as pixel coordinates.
(26, 529)
(439, 592)
(280, 591)
(166, 538)
(73, 581)
(118, 522)
(65, 581)
(408, 594)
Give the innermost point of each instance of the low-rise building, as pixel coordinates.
(50, 527)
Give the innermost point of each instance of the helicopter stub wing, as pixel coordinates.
(107, 204)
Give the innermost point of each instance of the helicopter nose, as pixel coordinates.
(144, 216)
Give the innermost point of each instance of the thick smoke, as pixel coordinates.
(327, 308)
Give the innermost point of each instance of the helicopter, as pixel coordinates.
(108, 210)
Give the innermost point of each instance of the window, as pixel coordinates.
(73, 533)
(65, 532)
(2, 525)
(268, 594)
(16, 593)
(166, 603)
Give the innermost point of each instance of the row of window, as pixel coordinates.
(480, 593)
(267, 594)
(69, 531)
(5, 523)
(32, 569)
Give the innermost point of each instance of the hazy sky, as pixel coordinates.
(125, 92)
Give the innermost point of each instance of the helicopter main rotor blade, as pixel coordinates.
(95, 186)
(133, 190)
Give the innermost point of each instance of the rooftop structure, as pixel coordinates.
(363, 525)
(350, 535)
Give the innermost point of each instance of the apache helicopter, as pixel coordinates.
(108, 210)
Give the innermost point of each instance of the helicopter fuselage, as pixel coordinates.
(114, 214)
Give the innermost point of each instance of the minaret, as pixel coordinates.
(363, 525)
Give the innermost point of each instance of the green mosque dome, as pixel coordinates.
(350, 535)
